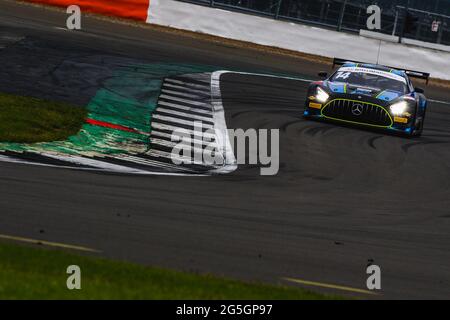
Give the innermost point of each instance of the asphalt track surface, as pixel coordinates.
(343, 198)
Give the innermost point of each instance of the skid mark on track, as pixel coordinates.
(318, 130)
(438, 130)
(285, 126)
(284, 111)
(371, 141)
(409, 146)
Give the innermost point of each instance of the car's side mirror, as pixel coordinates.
(323, 74)
(419, 90)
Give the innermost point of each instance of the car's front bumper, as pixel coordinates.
(314, 110)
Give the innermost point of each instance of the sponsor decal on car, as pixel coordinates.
(315, 105)
(400, 120)
(344, 72)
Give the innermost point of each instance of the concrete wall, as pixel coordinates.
(297, 37)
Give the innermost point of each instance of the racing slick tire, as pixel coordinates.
(417, 132)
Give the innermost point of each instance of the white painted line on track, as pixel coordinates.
(158, 164)
(220, 125)
(188, 84)
(173, 144)
(182, 107)
(167, 155)
(173, 86)
(101, 168)
(169, 136)
(167, 127)
(330, 286)
(195, 103)
(181, 121)
(183, 94)
(268, 76)
(440, 102)
(48, 243)
(183, 114)
(181, 140)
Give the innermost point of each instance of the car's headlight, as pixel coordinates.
(399, 108)
(321, 95)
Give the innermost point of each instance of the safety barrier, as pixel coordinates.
(297, 37)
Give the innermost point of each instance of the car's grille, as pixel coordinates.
(357, 111)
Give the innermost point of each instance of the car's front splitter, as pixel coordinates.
(395, 128)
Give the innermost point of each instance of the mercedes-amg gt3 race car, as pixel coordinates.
(369, 95)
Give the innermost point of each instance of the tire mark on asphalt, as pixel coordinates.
(372, 140)
(287, 111)
(285, 126)
(316, 130)
(408, 146)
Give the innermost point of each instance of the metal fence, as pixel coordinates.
(351, 15)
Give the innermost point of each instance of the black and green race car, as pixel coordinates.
(369, 95)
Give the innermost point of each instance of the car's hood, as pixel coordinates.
(384, 95)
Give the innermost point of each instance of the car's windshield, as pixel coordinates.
(381, 81)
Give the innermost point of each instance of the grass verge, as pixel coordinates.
(38, 273)
(29, 120)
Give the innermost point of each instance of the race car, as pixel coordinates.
(369, 95)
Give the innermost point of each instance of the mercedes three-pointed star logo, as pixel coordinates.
(357, 109)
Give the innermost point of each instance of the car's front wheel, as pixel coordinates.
(418, 127)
